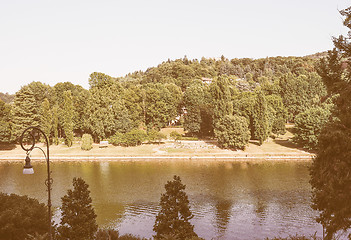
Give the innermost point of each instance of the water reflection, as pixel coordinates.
(229, 200)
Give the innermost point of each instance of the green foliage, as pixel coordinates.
(107, 234)
(278, 114)
(300, 92)
(161, 104)
(21, 216)
(330, 170)
(132, 138)
(130, 237)
(297, 237)
(6, 97)
(46, 118)
(5, 123)
(55, 124)
(118, 139)
(330, 179)
(68, 118)
(153, 98)
(175, 135)
(198, 117)
(154, 136)
(78, 219)
(87, 142)
(175, 213)
(221, 98)
(106, 112)
(233, 132)
(24, 111)
(260, 124)
(308, 126)
(135, 137)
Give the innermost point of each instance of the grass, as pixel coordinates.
(280, 146)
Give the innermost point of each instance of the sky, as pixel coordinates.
(67, 40)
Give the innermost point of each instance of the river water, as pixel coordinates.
(229, 200)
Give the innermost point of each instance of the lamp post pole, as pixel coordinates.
(29, 170)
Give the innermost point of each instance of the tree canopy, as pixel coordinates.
(331, 169)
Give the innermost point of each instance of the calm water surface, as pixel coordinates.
(229, 200)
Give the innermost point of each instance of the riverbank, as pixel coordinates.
(273, 149)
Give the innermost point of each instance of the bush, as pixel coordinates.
(130, 237)
(135, 137)
(132, 138)
(107, 234)
(175, 135)
(117, 139)
(189, 138)
(308, 126)
(21, 216)
(87, 142)
(232, 132)
(154, 136)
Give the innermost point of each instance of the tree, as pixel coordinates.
(5, 122)
(331, 169)
(260, 118)
(78, 219)
(21, 216)
(198, 116)
(221, 98)
(68, 118)
(300, 92)
(46, 118)
(308, 126)
(161, 104)
(174, 216)
(24, 111)
(233, 132)
(280, 113)
(55, 123)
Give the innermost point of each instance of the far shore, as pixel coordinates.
(278, 149)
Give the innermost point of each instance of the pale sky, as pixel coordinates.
(66, 40)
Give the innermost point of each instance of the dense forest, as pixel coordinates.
(232, 100)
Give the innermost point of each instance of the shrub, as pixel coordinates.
(21, 216)
(87, 142)
(130, 237)
(233, 132)
(132, 138)
(117, 139)
(135, 137)
(175, 135)
(107, 234)
(154, 136)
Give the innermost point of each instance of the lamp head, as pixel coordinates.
(28, 169)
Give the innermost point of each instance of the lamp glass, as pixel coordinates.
(28, 171)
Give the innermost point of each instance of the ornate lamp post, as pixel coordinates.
(28, 169)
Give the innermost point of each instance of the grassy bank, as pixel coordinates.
(271, 149)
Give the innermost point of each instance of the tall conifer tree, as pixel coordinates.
(68, 118)
(78, 221)
(174, 216)
(260, 118)
(24, 111)
(46, 118)
(331, 169)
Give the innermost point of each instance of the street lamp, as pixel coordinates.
(28, 169)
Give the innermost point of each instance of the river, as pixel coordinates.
(229, 200)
